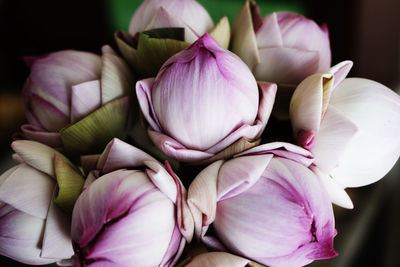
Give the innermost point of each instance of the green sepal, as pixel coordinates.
(127, 47)
(166, 33)
(222, 32)
(153, 52)
(91, 134)
(154, 47)
(70, 183)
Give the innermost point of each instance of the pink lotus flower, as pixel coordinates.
(352, 126)
(130, 216)
(265, 205)
(282, 47)
(203, 100)
(188, 14)
(66, 86)
(33, 230)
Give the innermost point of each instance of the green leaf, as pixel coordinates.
(91, 134)
(222, 32)
(70, 183)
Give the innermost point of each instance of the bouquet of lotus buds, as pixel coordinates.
(192, 144)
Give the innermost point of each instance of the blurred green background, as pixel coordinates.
(121, 10)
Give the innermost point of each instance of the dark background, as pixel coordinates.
(364, 31)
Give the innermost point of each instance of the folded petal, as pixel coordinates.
(244, 41)
(202, 197)
(285, 65)
(239, 174)
(373, 151)
(184, 216)
(36, 133)
(294, 27)
(56, 243)
(340, 72)
(269, 35)
(176, 150)
(89, 162)
(20, 235)
(331, 141)
(37, 155)
(51, 117)
(250, 132)
(37, 187)
(85, 98)
(336, 192)
(284, 150)
(118, 155)
(143, 92)
(309, 103)
(116, 77)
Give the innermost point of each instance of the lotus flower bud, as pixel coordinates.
(282, 47)
(214, 104)
(188, 14)
(355, 127)
(133, 215)
(68, 90)
(33, 229)
(266, 205)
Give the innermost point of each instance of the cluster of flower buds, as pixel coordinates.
(159, 153)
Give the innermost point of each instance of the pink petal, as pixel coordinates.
(37, 187)
(244, 40)
(116, 77)
(118, 155)
(340, 72)
(36, 133)
(373, 151)
(239, 174)
(285, 65)
(184, 216)
(89, 163)
(143, 92)
(202, 197)
(56, 243)
(267, 99)
(52, 118)
(332, 139)
(336, 192)
(269, 35)
(294, 27)
(20, 236)
(309, 103)
(284, 150)
(37, 155)
(85, 98)
(176, 150)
